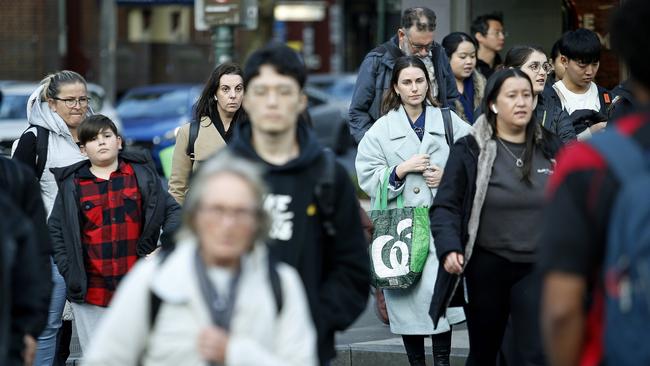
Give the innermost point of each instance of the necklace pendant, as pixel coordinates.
(519, 163)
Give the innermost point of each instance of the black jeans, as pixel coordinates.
(414, 345)
(496, 289)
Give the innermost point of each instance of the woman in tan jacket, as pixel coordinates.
(216, 112)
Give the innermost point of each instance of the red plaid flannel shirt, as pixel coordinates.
(111, 224)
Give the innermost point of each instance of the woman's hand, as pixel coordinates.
(416, 164)
(432, 176)
(213, 342)
(598, 127)
(454, 263)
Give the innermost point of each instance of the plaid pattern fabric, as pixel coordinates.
(111, 224)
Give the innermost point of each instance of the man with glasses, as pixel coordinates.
(489, 34)
(413, 38)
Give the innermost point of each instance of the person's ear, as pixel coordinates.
(119, 142)
(564, 60)
(302, 103)
(83, 150)
(400, 34)
(52, 104)
(480, 38)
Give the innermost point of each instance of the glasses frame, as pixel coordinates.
(505, 34)
(72, 102)
(418, 48)
(546, 66)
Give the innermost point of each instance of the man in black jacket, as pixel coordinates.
(332, 259)
(26, 281)
(414, 38)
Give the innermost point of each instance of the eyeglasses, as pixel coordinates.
(71, 102)
(498, 33)
(237, 214)
(536, 66)
(418, 47)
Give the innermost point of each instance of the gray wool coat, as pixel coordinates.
(389, 142)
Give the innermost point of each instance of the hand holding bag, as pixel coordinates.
(400, 242)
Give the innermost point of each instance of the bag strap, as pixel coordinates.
(276, 284)
(324, 191)
(623, 155)
(381, 202)
(449, 126)
(194, 134)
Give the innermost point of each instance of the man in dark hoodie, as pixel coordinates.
(333, 264)
(413, 38)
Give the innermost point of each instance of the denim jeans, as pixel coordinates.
(46, 347)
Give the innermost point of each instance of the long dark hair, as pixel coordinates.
(206, 105)
(492, 90)
(391, 100)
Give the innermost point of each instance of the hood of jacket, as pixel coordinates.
(40, 114)
(131, 156)
(310, 148)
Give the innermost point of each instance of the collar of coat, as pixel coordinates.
(483, 134)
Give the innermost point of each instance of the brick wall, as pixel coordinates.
(28, 39)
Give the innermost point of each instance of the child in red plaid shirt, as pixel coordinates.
(107, 214)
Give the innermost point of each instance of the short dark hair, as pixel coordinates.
(452, 40)
(629, 29)
(581, 45)
(518, 55)
(391, 99)
(481, 24)
(93, 126)
(283, 59)
(413, 16)
(206, 105)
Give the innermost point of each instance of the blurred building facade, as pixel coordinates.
(157, 40)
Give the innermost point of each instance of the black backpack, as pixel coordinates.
(42, 139)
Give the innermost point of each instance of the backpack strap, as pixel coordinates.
(605, 99)
(154, 300)
(449, 126)
(42, 140)
(623, 155)
(276, 284)
(324, 191)
(194, 134)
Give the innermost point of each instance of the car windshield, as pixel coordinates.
(154, 104)
(14, 107)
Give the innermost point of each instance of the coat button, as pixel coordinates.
(416, 190)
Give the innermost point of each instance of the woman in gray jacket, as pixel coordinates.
(55, 109)
(409, 142)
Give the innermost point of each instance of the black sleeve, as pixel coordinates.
(446, 213)
(565, 130)
(34, 209)
(26, 150)
(55, 226)
(172, 220)
(31, 280)
(344, 293)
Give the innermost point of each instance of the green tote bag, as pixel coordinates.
(400, 242)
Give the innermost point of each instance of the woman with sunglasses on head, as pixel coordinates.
(548, 109)
(461, 50)
(408, 147)
(55, 110)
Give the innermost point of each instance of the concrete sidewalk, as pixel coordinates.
(368, 342)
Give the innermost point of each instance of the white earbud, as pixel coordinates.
(494, 109)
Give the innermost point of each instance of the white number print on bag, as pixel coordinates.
(396, 268)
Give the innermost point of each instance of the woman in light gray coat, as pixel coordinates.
(409, 141)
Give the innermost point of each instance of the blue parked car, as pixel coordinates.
(152, 114)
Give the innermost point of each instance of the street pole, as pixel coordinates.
(222, 40)
(381, 20)
(107, 46)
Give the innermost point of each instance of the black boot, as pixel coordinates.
(441, 348)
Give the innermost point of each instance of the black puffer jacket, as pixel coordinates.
(158, 206)
(552, 117)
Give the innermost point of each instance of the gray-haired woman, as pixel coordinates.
(220, 259)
